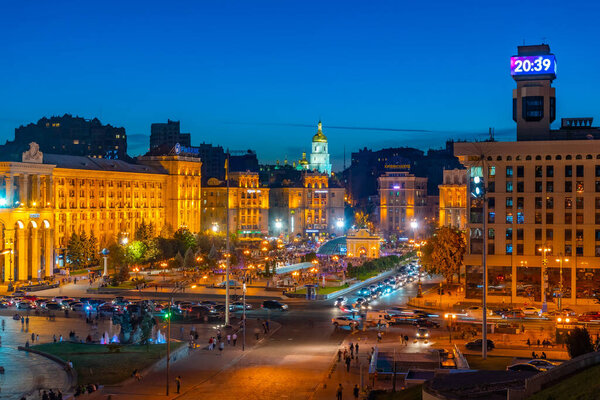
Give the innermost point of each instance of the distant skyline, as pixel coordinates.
(261, 74)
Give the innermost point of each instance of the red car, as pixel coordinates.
(589, 316)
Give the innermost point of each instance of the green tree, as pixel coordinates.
(579, 342)
(91, 250)
(444, 253)
(136, 251)
(75, 250)
(177, 261)
(185, 238)
(144, 232)
(189, 260)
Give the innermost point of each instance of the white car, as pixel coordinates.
(340, 301)
(532, 311)
(345, 321)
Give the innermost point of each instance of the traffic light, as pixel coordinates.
(168, 315)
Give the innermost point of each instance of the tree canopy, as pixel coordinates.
(444, 253)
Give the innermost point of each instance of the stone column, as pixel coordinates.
(36, 193)
(35, 253)
(21, 252)
(24, 190)
(9, 243)
(8, 180)
(49, 191)
(49, 251)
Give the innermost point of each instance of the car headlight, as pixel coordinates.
(427, 335)
(418, 335)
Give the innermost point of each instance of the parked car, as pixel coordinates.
(352, 322)
(476, 344)
(523, 367)
(274, 305)
(78, 307)
(53, 306)
(26, 305)
(589, 316)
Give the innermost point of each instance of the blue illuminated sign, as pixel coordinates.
(533, 65)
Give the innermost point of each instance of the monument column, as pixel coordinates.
(8, 180)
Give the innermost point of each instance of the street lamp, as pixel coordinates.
(450, 317)
(339, 223)
(561, 259)
(544, 250)
(215, 227)
(278, 224)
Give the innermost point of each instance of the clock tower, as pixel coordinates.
(534, 100)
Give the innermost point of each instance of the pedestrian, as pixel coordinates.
(379, 336)
(32, 337)
(22, 320)
(27, 320)
(348, 360)
(543, 357)
(210, 343)
(356, 349)
(538, 342)
(339, 355)
(234, 338)
(219, 335)
(339, 391)
(221, 347)
(528, 343)
(345, 354)
(533, 355)
(356, 392)
(45, 396)
(264, 325)
(256, 332)
(406, 340)
(178, 383)
(267, 325)
(60, 339)
(228, 339)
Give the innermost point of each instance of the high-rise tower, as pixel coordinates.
(534, 100)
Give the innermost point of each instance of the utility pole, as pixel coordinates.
(169, 342)
(227, 255)
(244, 316)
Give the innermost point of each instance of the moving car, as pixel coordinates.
(239, 305)
(274, 305)
(340, 301)
(523, 367)
(530, 310)
(422, 334)
(476, 344)
(542, 364)
(427, 323)
(346, 321)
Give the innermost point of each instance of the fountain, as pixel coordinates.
(115, 339)
(160, 338)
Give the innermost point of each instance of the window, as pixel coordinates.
(579, 251)
(538, 234)
(579, 218)
(568, 250)
(533, 108)
(549, 171)
(579, 186)
(538, 203)
(509, 187)
(520, 187)
(492, 202)
(509, 249)
(597, 170)
(491, 233)
(568, 203)
(579, 203)
(579, 234)
(597, 202)
(549, 186)
(519, 233)
(509, 202)
(597, 235)
(491, 171)
(597, 219)
(520, 202)
(491, 217)
(509, 172)
(568, 186)
(519, 249)
(538, 186)
(491, 187)
(520, 171)
(509, 218)
(568, 218)
(568, 171)
(549, 234)
(520, 218)
(579, 171)
(508, 233)
(491, 248)
(549, 218)
(597, 186)
(568, 235)
(549, 203)
(538, 171)
(538, 218)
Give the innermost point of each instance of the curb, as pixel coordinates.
(71, 373)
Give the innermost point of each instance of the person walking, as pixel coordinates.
(267, 326)
(356, 392)
(348, 360)
(256, 332)
(356, 349)
(178, 383)
(27, 320)
(221, 347)
(528, 343)
(339, 355)
(234, 338)
(32, 337)
(543, 356)
(228, 339)
(405, 340)
(339, 392)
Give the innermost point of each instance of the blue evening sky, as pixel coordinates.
(250, 74)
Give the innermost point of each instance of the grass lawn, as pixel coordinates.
(94, 364)
(581, 386)
(496, 363)
(83, 271)
(412, 393)
(325, 290)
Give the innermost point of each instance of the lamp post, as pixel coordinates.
(414, 225)
(10, 252)
(450, 317)
(104, 253)
(544, 250)
(168, 316)
(561, 259)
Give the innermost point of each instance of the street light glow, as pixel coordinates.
(414, 225)
(340, 223)
(278, 224)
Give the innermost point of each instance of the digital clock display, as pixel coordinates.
(533, 65)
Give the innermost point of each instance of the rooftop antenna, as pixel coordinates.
(491, 134)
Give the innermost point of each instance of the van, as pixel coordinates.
(476, 312)
(381, 318)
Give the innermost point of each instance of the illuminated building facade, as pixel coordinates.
(453, 199)
(48, 197)
(319, 156)
(248, 206)
(402, 200)
(313, 206)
